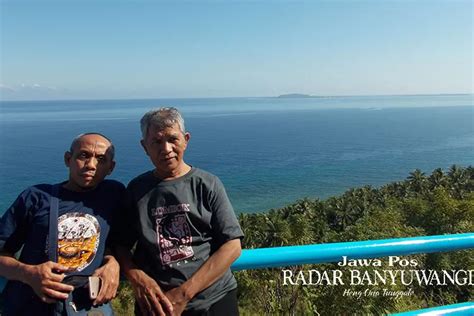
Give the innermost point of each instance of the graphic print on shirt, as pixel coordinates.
(78, 240)
(173, 233)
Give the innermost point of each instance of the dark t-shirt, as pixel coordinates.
(84, 220)
(178, 224)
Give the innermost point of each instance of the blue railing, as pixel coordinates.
(333, 252)
(451, 310)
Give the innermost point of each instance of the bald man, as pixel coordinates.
(86, 205)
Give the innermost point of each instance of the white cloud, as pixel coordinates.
(4, 87)
(31, 91)
(37, 86)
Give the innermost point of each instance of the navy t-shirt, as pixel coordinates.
(84, 220)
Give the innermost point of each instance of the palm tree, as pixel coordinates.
(417, 181)
(437, 179)
(251, 225)
(470, 175)
(458, 181)
(277, 232)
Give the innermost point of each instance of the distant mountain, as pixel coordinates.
(295, 95)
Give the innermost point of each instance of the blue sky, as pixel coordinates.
(151, 49)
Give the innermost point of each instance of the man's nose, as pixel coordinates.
(167, 147)
(91, 163)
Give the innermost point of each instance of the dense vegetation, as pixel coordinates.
(440, 203)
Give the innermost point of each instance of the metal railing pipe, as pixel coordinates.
(333, 252)
(451, 310)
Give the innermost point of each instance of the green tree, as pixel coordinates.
(418, 183)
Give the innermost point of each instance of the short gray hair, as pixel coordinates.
(76, 139)
(162, 118)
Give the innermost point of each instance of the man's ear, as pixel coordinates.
(187, 137)
(112, 166)
(142, 142)
(67, 158)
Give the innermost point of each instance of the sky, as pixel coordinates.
(182, 49)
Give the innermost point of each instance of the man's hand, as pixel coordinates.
(150, 297)
(109, 275)
(45, 279)
(214, 267)
(179, 299)
(148, 294)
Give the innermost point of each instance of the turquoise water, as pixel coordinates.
(267, 151)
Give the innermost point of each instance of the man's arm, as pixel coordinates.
(45, 279)
(205, 276)
(148, 293)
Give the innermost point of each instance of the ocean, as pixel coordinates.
(268, 152)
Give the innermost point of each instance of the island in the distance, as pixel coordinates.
(296, 95)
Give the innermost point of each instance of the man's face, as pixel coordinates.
(89, 163)
(166, 148)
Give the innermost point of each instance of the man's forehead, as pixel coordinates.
(155, 130)
(88, 141)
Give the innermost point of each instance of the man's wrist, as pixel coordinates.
(134, 275)
(186, 291)
(25, 273)
(109, 259)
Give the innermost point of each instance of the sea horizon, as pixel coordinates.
(243, 97)
(268, 152)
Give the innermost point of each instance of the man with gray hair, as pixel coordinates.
(184, 228)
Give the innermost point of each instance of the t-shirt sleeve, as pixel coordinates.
(225, 225)
(124, 228)
(13, 224)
